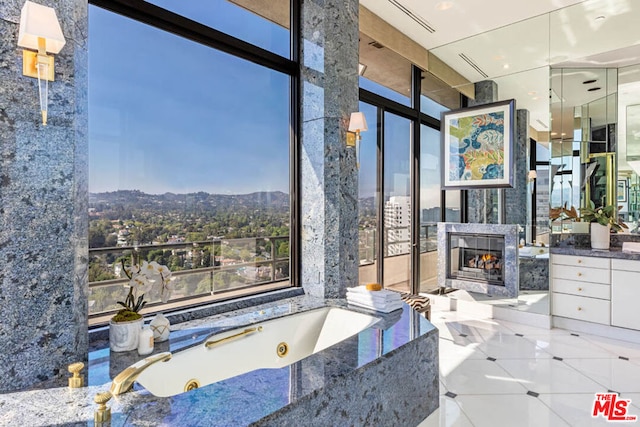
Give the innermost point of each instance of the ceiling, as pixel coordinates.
(515, 42)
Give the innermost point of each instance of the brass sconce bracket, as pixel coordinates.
(30, 64)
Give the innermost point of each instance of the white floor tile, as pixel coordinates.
(613, 374)
(635, 402)
(575, 409)
(448, 415)
(480, 329)
(479, 377)
(617, 347)
(526, 330)
(511, 346)
(570, 347)
(549, 376)
(513, 410)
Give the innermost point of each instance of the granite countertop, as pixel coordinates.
(240, 400)
(612, 252)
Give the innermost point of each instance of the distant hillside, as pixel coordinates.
(192, 202)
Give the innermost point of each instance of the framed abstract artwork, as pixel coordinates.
(622, 190)
(477, 146)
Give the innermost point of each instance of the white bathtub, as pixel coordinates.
(304, 334)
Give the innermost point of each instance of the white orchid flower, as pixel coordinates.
(141, 283)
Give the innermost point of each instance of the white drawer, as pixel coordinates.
(585, 289)
(581, 274)
(581, 308)
(583, 261)
(625, 264)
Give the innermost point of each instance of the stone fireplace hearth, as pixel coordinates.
(479, 258)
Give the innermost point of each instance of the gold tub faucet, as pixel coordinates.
(123, 382)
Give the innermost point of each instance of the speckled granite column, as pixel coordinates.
(43, 206)
(516, 197)
(329, 193)
(481, 202)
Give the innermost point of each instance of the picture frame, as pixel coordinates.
(477, 146)
(622, 190)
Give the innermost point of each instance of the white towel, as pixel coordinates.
(373, 297)
(385, 309)
(384, 306)
(384, 293)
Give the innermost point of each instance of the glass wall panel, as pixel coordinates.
(368, 197)
(176, 174)
(397, 203)
(266, 26)
(430, 209)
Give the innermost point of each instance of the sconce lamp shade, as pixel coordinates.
(532, 175)
(357, 123)
(38, 21)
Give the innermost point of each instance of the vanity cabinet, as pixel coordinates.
(625, 293)
(581, 288)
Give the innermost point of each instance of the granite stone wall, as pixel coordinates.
(43, 206)
(329, 178)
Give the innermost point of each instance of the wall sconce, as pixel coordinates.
(39, 30)
(361, 69)
(532, 175)
(357, 124)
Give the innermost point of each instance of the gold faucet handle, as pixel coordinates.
(102, 414)
(102, 398)
(76, 381)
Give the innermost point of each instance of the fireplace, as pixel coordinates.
(476, 257)
(480, 258)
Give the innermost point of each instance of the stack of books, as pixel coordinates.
(384, 301)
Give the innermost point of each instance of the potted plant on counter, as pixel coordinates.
(125, 326)
(603, 221)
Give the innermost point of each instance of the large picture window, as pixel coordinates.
(189, 165)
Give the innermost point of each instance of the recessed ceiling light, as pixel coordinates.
(535, 98)
(444, 5)
(593, 89)
(563, 134)
(533, 92)
(498, 57)
(505, 66)
(554, 133)
(588, 82)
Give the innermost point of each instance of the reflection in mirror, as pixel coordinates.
(628, 179)
(583, 105)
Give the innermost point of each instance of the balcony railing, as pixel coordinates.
(211, 268)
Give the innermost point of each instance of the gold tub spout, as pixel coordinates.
(123, 382)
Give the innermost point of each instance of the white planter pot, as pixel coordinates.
(580, 227)
(123, 336)
(600, 235)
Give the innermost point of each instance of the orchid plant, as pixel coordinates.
(141, 280)
(603, 215)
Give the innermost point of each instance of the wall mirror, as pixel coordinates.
(583, 105)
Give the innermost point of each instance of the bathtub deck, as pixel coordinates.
(385, 375)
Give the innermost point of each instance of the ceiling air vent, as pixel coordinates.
(542, 124)
(423, 23)
(473, 65)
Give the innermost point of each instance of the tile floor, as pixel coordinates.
(497, 373)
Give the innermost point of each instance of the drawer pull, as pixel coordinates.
(579, 274)
(579, 308)
(579, 261)
(579, 289)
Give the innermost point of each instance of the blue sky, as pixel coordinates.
(169, 115)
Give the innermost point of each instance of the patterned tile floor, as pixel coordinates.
(497, 373)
